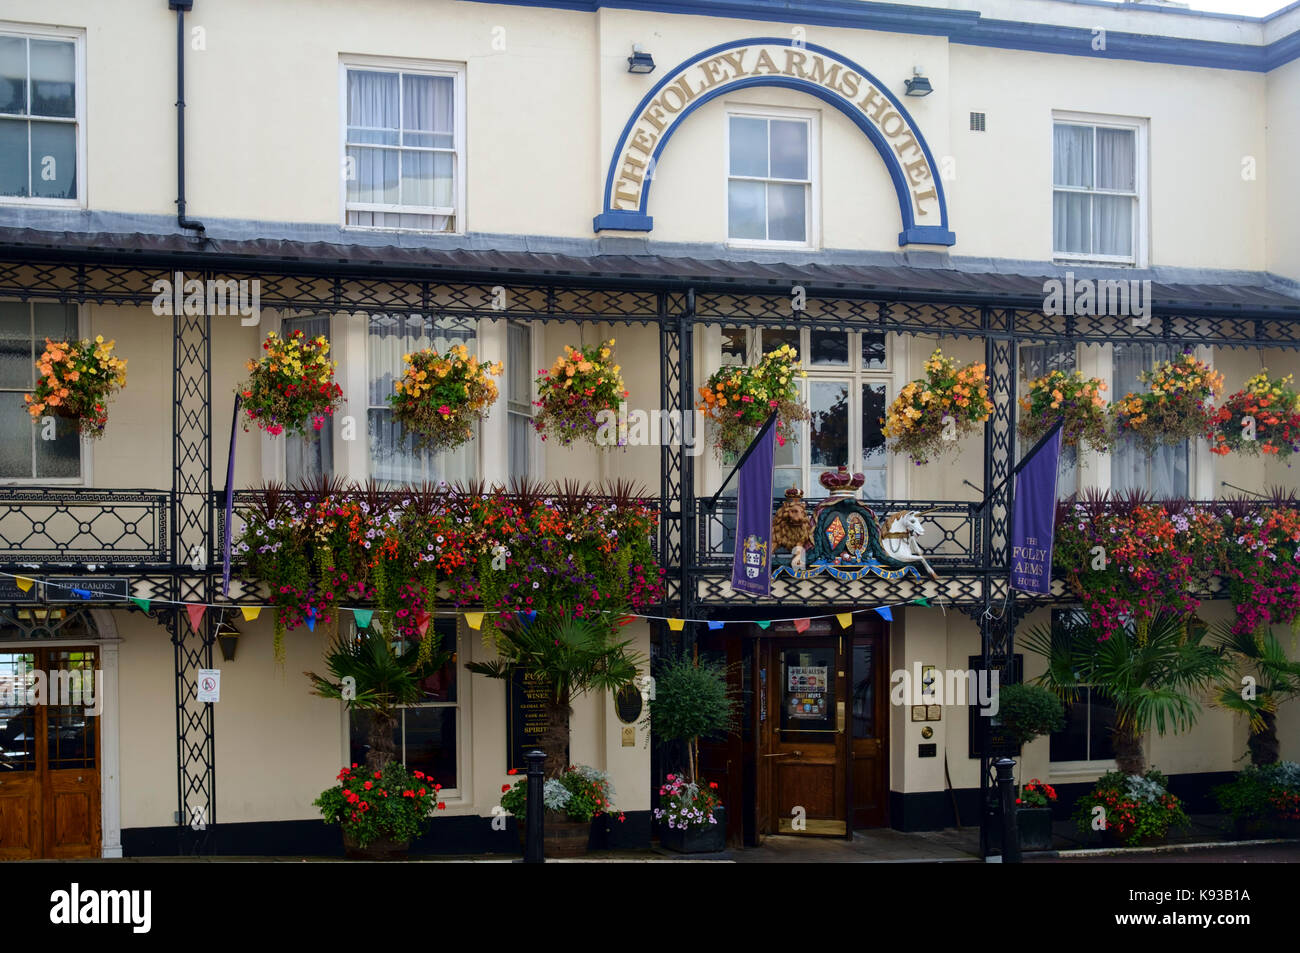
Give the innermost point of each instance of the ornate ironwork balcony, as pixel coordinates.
(74, 526)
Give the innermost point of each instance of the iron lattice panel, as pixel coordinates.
(789, 596)
(73, 525)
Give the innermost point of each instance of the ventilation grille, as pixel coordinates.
(977, 122)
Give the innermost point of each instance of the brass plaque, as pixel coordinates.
(934, 713)
(918, 713)
(629, 736)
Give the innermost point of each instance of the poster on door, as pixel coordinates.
(806, 687)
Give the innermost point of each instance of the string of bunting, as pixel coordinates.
(196, 610)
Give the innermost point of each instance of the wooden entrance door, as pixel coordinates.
(806, 741)
(49, 753)
(868, 679)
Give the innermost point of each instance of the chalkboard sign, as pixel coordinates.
(527, 698)
(999, 744)
(627, 703)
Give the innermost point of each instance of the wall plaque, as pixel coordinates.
(101, 588)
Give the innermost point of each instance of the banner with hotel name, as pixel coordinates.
(1033, 521)
(751, 571)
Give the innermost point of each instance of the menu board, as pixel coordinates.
(806, 687)
(527, 697)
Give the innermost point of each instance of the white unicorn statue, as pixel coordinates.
(900, 538)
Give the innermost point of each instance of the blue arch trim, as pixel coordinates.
(639, 219)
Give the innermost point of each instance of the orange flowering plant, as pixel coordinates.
(578, 394)
(441, 395)
(930, 413)
(76, 379)
(1071, 397)
(1262, 417)
(291, 385)
(738, 400)
(1177, 405)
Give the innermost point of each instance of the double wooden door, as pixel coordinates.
(49, 753)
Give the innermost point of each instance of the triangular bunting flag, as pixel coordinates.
(195, 612)
(422, 621)
(885, 613)
(363, 617)
(845, 619)
(763, 625)
(250, 612)
(716, 625)
(676, 624)
(921, 601)
(143, 604)
(81, 593)
(473, 619)
(801, 625)
(24, 583)
(527, 615)
(627, 620)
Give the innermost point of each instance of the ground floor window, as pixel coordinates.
(426, 735)
(1090, 719)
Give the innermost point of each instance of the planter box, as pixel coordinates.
(708, 839)
(561, 837)
(1034, 825)
(382, 849)
(1251, 828)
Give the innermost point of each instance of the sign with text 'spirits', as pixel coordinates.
(815, 70)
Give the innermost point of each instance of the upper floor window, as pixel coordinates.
(309, 457)
(1096, 191)
(770, 188)
(41, 124)
(48, 449)
(524, 445)
(404, 148)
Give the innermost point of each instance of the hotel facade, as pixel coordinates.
(865, 182)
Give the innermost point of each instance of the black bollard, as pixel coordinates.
(533, 851)
(1007, 797)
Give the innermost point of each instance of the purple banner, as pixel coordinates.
(751, 571)
(230, 503)
(1033, 522)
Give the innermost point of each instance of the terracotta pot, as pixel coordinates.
(381, 849)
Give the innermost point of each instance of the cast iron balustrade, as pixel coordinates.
(67, 526)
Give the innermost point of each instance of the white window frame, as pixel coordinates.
(424, 67)
(78, 36)
(537, 448)
(854, 372)
(86, 478)
(812, 216)
(1141, 228)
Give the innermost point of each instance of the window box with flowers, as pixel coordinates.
(691, 817)
(572, 801)
(1034, 815)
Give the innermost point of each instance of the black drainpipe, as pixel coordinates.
(180, 6)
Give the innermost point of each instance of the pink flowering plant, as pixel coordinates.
(685, 804)
(1263, 565)
(391, 804)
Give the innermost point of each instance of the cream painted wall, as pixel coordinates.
(147, 724)
(545, 111)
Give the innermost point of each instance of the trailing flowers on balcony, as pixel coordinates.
(75, 380)
(1263, 562)
(440, 396)
(291, 387)
(1177, 405)
(579, 397)
(1261, 418)
(1070, 397)
(540, 546)
(931, 413)
(738, 400)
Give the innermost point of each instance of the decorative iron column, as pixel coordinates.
(192, 528)
(997, 622)
(677, 466)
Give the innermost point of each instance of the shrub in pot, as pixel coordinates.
(380, 812)
(1026, 712)
(1263, 800)
(1137, 809)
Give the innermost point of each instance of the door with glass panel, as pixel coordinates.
(49, 753)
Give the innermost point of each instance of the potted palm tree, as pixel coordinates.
(692, 701)
(1275, 679)
(382, 807)
(1026, 712)
(573, 655)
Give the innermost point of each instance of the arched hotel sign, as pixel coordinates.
(766, 61)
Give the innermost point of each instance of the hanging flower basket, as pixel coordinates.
(441, 395)
(292, 388)
(1176, 407)
(76, 380)
(738, 400)
(579, 397)
(1077, 399)
(931, 413)
(1262, 417)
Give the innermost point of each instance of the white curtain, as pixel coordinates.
(1084, 157)
(519, 373)
(308, 458)
(1163, 473)
(393, 458)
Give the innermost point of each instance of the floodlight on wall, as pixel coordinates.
(918, 85)
(640, 61)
